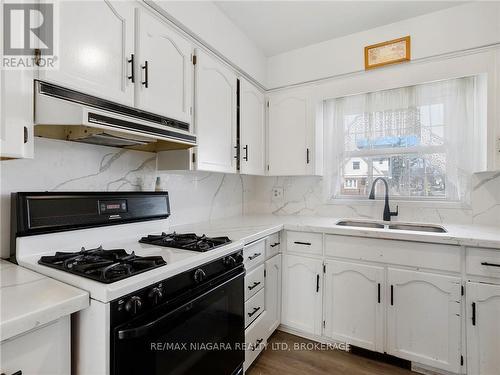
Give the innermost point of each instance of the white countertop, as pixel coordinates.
(29, 300)
(252, 227)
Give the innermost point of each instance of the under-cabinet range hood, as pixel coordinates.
(61, 113)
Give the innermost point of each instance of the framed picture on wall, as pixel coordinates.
(385, 53)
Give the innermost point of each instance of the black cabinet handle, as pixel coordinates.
(378, 287)
(18, 372)
(490, 264)
(254, 256)
(392, 295)
(132, 69)
(146, 78)
(307, 155)
(257, 343)
(302, 243)
(473, 313)
(275, 244)
(255, 283)
(246, 153)
(317, 283)
(255, 309)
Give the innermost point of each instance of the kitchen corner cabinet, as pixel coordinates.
(95, 47)
(302, 293)
(273, 293)
(424, 318)
(294, 145)
(164, 68)
(252, 129)
(354, 304)
(483, 328)
(215, 115)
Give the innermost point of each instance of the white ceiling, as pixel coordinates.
(280, 26)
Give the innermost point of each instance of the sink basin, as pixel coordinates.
(360, 224)
(418, 227)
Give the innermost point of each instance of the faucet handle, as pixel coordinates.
(395, 213)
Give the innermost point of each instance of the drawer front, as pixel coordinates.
(304, 243)
(254, 307)
(483, 262)
(254, 281)
(273, 245)
(255, 340)
(405, 253)
(254, 254)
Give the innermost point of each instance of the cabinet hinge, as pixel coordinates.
(194, 59)
(324, 268)
(193, 157)
(38, 56)
(461, 360)
(463, 290)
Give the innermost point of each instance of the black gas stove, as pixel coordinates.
(185, 241)
(102, 265)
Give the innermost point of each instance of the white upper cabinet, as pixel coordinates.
(96, 43)
(424, 318)
(215, 115)
(302, 293)
(292, 134)
(164, 82)
(483, 328)
(354, 304)
(252, 129)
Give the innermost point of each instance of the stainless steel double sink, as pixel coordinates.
(392, 226)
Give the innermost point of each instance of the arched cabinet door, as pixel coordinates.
(483, 328)
(302, 293)
(95, 42)
(215, 115)
(164, 68)
(424, 318)
(354, 304)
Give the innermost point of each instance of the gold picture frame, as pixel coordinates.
(387, 53)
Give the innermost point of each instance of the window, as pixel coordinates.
(419, 138)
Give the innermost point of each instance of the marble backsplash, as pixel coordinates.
(70, 166)
(203, 196)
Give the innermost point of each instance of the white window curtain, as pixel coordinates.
(431, 123)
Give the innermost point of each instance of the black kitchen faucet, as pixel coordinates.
(387, 210)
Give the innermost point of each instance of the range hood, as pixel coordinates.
(61, 113)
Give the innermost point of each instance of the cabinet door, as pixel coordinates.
(95, 44)
(289, 135)
(252, 120)
(483, 329)
(354, 304)
(165, 57)
(215, 115)
(273, 293)
(302, 291)
(424, 318)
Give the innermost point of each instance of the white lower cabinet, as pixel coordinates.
(273, 293)
(42, 351)
(354, 304)
(483, 328)
(302, 293)
(424, 318)
(255, 340)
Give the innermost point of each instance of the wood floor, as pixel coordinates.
(315, 362)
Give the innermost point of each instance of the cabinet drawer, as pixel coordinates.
(304, 243)
(255, 340)
(483, 262)
(273, 245)
(254, 254)
(405, 253)
(254, 281)
(254, 307)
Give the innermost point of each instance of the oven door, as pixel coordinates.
(204, 334)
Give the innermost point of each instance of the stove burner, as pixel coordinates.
(185, 241)
(106, 266)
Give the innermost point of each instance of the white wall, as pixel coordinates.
(462, 27)
(213, 27)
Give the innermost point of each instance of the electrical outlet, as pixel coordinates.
(277, 193)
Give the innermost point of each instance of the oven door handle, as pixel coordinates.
(143, 330)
